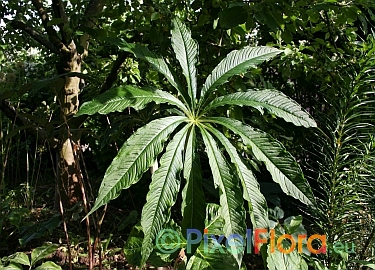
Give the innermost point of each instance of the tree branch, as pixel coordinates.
(40, 133)
(52, 35)
(34, 34)
(112, 76)
(59, 11)
(92, 11)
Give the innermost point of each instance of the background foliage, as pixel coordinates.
(327, 68)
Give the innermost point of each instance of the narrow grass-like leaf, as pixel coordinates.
(251, 192)
(193, 199)
(119, 98)
(186, 50)
(163, 192)
(283, 167)
(272, 100)
(136, 155)
(234, 63)
(230, 194)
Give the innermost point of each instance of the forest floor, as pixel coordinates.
(40, 226)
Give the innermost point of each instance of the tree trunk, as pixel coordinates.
(69, 172)
(60, 42)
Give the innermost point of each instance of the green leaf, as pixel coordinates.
(41, 252)
(186, 50)
(20, 257)
(234, 63)
(251, 191)
(13, 266)
(132, 218)
(136, 155)
(173, 243)
(292, 223)
(370, 265)
(214, 222)
(155, 60)
(55, 21)
(120, 98)
(233, 16)
(204, 259)
(133, 246)
(163, 192)
(193, 199)
(231, 200)
(280, 261)
(272, 100)
(283, 167)
(49, 266)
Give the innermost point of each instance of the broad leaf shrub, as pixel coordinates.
(196, 119)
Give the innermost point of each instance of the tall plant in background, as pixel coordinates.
(344, 153)
(196, 118)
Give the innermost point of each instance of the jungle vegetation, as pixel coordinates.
(124, 120)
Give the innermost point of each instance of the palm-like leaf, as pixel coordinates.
(283, 167)
(251, 192)
(186, 50)
(135, 157)
(230, 194)
(163, 192)
(119, 98)
(234, 63)
(272, 100)
(157, 62)
(192, 207)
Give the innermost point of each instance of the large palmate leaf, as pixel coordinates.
(283, 167)
(251, 192)
(119, 98)
(272, 100)
(163, 192)
(230, 194)
(136, 155)
(155, 60)
(234, 63)
(193, 199)
(186, 50)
